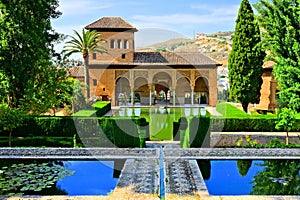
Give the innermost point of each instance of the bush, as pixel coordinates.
(92, 131)
(199, 129)
(102, 107)
(247, 125)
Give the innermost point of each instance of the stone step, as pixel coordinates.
(163, 144)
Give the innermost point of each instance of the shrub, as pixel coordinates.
(199, 129)
(102, 107)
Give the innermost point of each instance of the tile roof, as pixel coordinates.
(77, 71)
(110, 23)
(172, 58)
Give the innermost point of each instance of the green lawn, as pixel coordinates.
(230, 111)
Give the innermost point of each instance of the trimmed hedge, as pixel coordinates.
(199, 128)
(102, 107)
(247, 125)
(91, 131)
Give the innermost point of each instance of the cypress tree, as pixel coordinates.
(246, 58)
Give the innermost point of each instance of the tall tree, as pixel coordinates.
(246, 58)
(26, 48)
(280, 22)
(85, 44)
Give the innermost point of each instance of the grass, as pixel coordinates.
(230, 111)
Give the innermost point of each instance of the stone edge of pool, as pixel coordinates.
(153, 153)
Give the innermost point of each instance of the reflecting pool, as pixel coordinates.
(161, 118)
(58, 177)
(257, 177)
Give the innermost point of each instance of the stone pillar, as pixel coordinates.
(150, 94)
(192, 97)
(132, 96)
(192, 92)
(213, 89)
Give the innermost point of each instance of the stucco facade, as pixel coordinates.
(127, 77)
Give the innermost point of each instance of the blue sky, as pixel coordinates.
(185, 17)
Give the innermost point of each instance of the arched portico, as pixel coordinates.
(162, 82)
(201, 91)
(122, 91)
(183, 91)
(141, 90)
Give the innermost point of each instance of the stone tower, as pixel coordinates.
(119, 37)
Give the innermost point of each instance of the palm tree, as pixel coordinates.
(85, 44)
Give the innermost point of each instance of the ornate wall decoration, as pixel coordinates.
(121, 73)
(202, 73)
(139, 73)
(183, 73)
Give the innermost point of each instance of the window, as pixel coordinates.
(120, 44)
(94, 56)
(126, 44)
(123, 56)
(112, 44)
(95, 82)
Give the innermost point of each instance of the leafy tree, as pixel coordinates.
(244, 166)
(72, 95)
(26, 48)
(10, 118)
(279, 177)
(286, 121)
(280, 22)
(246, 58)
(85, 44)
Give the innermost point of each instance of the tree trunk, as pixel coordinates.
(287, 138)
(87, 76)
(245, 107)
(9, 138)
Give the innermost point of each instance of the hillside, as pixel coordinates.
(217, 45)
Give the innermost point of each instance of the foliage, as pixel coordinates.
(286, 121)
(71, 94)
(85, 44)
(281, 37)
(279, 177)
(10, 119)
(274, 143)
(243, 166)
(102, 107)
(26, 48)
(30, 177)
(199, 130)
(246, 58)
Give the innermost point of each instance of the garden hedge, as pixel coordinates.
(200, 127)
(91, 131)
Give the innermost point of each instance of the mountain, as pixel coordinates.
(217, 45)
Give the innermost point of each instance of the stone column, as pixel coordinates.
(150, 94)
(132, 96)
(192, 97)
(192, 85)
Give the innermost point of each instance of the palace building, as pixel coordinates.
(126, 77)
